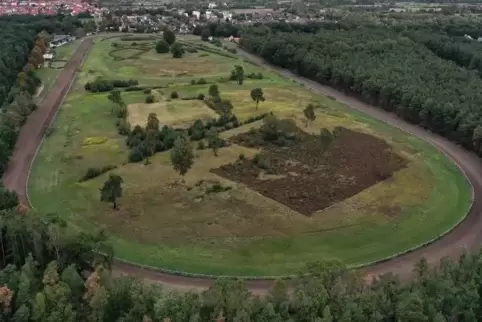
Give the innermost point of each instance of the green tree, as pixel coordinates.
(162, 47)
(182, 155)
(71, 277)
(8, 199)
(214, 90)
(205, 34)
(257, 96)
(169, 36)
(237, 74)
(214, 141)
(115, 98)
(177, 50)
(112, 189)
(309, 113)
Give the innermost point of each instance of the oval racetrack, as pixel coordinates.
(468, 235)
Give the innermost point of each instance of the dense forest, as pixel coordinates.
(385, 68)
(24, 41)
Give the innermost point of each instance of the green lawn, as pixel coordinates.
(239, 232)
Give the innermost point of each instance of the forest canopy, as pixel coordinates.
(385, 68)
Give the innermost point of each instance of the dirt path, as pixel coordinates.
(468, 235)
(32, 132)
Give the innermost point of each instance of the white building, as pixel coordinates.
(212, 5)
(196, 14)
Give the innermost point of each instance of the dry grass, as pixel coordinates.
(177, 113)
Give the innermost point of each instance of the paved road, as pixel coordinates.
(468, 235)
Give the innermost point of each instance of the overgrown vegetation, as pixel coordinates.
(105, 85)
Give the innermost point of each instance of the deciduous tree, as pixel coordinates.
(112, 190)
(214, 91)
(309, 113)
(169, 36)
(182, 155)
(257, 96)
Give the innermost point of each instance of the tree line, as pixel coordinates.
(386, 69)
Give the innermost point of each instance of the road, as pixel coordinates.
(468, 235)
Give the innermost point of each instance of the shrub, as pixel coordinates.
(200, 145)
(241, 157)
(136, 155)
(174, 95)
(162, 47)
(217, 187)
(147, 91)
(202, 81)
(203, 55)
(200, 96)
(150, 99)
(191, 50)
(232, 50)
(124, 127)
(95, 172)
(193, 82)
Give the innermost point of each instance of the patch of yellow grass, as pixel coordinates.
(94, 140)
(175, 112)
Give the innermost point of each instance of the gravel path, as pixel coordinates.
(468, 235)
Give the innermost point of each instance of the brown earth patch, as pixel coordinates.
(326, 173)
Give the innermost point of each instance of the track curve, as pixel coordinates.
(466, 236)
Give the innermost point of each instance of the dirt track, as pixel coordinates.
(468, 235)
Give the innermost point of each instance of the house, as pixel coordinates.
(60, 40)
(234, 39)
(212, 5)
(48, 58)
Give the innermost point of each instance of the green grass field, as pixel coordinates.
(162, 223)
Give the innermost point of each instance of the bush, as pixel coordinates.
(241, 157)
(202, 81)
(95, 172)
(200, 145)
(193, 82)
(217, 187)
(150, 99)
(191, 50)
(104, 85)
(123, 128)
(162, 47)
(147, 91)
(136, 154)
(174, 95)
(200, 96)
(232, 50)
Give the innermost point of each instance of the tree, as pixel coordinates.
(112, 190)
(162, 47)
(309, 113)
(115, 97)
(79, 32)
(225, 108)
(177, 50)
(237, 74)
(205, 34)
(169, 36)
(182, 156)
(152, 134)
(214, 141)
(257, 96)
(214, 90)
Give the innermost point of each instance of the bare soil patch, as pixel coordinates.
(307, 173)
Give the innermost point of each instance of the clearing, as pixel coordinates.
(257, 208)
